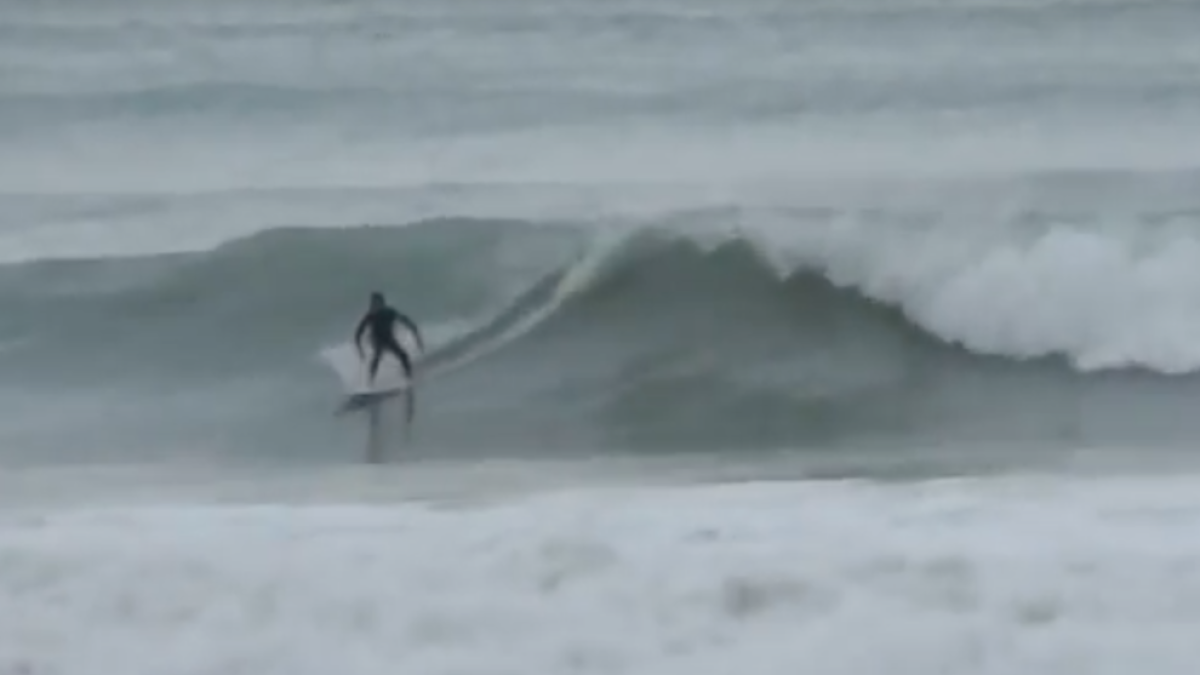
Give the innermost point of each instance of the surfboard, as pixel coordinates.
(362, 399)
(352, 372)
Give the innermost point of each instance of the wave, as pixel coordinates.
(662, 335)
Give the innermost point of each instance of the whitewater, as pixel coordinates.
(845, 336)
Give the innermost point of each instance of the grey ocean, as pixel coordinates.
(837, 337)
(807, 227)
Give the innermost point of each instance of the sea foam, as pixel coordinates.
(977, 576)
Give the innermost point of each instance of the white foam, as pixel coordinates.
(1035, 577)
(1101, 296)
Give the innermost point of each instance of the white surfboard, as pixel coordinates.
(352, 372)
(362, 398)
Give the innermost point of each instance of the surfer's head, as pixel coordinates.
(376, 300)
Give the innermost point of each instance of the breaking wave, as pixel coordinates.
(714, 329)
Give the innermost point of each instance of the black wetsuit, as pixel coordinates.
(378, 322)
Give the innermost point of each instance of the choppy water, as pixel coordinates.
(694, 241)
(630, 227)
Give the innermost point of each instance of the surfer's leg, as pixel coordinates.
(405, 361)
(375, 358)
(398, 351)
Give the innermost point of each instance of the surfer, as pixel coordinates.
(378, 323)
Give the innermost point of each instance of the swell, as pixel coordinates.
(191, 98)
(264, 301)
(545, 338)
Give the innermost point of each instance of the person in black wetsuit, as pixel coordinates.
(378, 323)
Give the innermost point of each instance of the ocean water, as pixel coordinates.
(921, 278)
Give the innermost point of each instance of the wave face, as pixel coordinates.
(668, 335)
